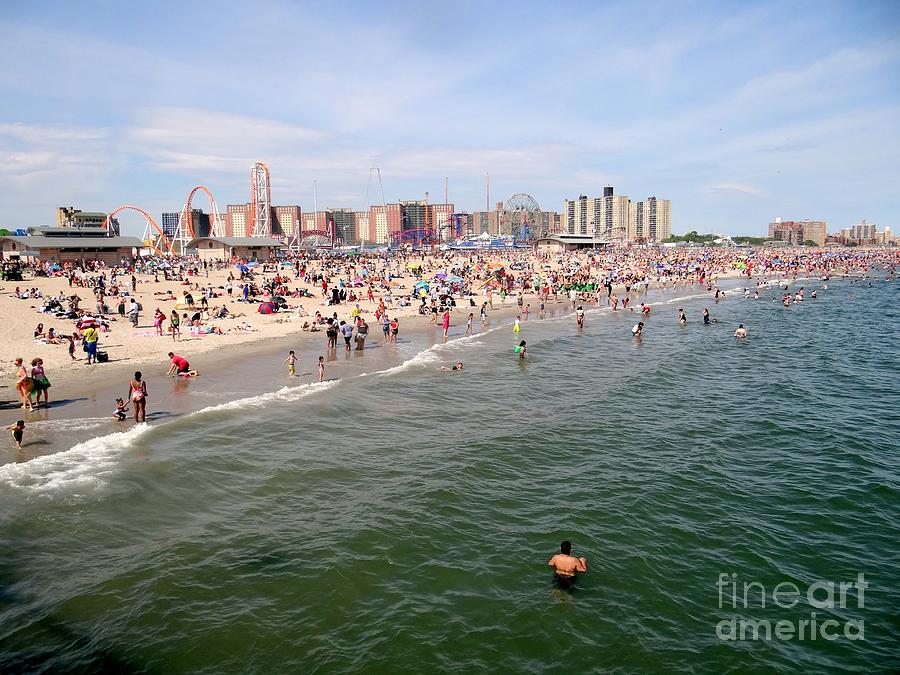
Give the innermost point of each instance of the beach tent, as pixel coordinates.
(242, 268)
(267, 308)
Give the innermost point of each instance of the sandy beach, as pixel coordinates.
(131, 348)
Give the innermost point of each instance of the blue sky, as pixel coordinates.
(737, 112)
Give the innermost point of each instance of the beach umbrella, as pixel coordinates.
(440, 275)
(422, 284)
(266, 308)
(242, 268)
(453, 279)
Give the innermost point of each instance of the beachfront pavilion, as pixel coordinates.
(557, 243)
(69, 244)
(260, 249)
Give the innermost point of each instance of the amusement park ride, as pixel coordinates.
(520, 218)
(162, 244)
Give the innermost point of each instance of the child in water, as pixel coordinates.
(321, 369)
(291, 362)
(121, 409)
(18, 430)
(520, 350)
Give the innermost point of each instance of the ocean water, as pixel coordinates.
(401, 520)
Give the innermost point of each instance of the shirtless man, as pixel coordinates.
(565, 565)
(741, 332)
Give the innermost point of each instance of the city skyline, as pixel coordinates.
(706, 105)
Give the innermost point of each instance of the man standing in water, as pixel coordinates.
(565, 565)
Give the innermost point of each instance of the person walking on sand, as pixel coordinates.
(40, 382)
(90, 337)
(175, 323)
(24, 384)
(137, 393)
(158, 318)
(133, 309)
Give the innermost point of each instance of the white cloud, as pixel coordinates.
(732, 189)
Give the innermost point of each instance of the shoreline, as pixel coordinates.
(256, 365)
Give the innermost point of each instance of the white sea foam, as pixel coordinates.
(285, 394)
(69, 425)
(423, 358)
(84, 465)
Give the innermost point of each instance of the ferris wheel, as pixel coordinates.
(524, 216)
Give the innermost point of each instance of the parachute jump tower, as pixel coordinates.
(261, 200)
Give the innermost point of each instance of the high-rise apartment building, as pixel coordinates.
(442, 221)
(796, 232)
(486, 221)
(384, 221)
(286, 219)
(650, 220)
(579, 212)
(612, 216)
(238, 220)
(169, 224)
(201, 222)
(361, 225)
(344, 223)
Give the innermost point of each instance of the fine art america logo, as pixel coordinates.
(828, 596)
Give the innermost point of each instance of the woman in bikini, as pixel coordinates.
(137, 392)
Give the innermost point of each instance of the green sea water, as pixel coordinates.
(400, 520)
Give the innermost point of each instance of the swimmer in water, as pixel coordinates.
(638, 329)
(566, 566)
(579, 316)
(458, 366)
(682, 318)
(706, 317)
(740, 332)
(520, 350)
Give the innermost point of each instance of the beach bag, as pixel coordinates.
(102, 357)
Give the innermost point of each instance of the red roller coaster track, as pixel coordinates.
(187, 222)
(160, 244)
